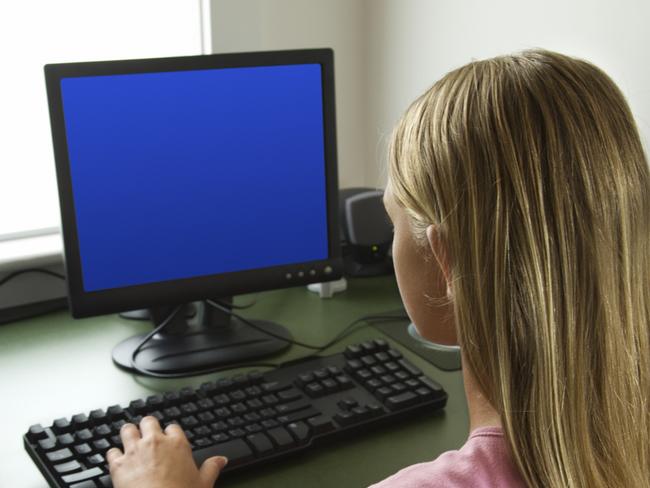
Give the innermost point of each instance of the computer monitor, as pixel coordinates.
(195, 178)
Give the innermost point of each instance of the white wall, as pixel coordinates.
(251, 25)
(390, 51)
(414, 42)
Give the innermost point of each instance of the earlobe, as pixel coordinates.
(440, 251)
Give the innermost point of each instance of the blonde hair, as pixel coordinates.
(532, 167)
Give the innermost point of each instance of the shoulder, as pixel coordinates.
(484, 461)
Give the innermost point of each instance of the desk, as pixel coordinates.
(53, 366)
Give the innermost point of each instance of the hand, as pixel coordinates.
(159, 460)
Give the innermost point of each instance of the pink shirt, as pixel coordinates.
(483, 462)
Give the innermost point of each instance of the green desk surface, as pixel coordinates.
(53, 366)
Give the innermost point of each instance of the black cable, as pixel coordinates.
(337, 338)
(11, 276)
(155, 374)
(368, 319)
(237, 307)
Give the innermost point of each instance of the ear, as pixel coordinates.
(440, 251)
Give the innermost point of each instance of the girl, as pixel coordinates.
(519, 185)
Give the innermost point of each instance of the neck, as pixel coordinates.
(481, 412)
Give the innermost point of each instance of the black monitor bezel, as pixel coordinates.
(84, 303)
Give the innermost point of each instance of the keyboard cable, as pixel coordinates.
(367, 319)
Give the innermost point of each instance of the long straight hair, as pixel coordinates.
(533, 169)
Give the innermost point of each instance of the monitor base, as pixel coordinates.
(191, 349)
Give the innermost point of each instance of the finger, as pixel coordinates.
(112, 454)
(210, 470)
(175, 430)
(130, 435)
(150, 426)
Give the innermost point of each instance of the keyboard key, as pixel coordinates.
(235, 421)
(105, 481)
(60, 455)
(382, 357)
(345, 418)
(273, 387)
(374, 384)
(101, 444)
(65, 439)
(83, 475)
(68, 467)
(344, 382)
(402, 400)
(364, 374)
(219, 426)
(361, 413)
(84, 484)
(375, 409)
(220, 437)
(36, 432)
(292, 407)
(299, 431)
(352, 351)
(96, 459)
(321, 374)
(431, 384)
(330, 385)
(368, 361)
(80, 421)
(281, 438)
(305, 378)
(353, 364)
(408, 366)
(314, 390)
(253, 428)
(252, 391)
(384, 392)
(138, 407)
(236, 450)
(269, 423)
(206, 417)
(334, 370)
(254, 404)
(202, 442)
(115, 412)
(321, 424)
(290, 394)
(347, 403)
(83, 449)
(172, 398)
(102, 430)
(47, 444)
(98, 416)
(299, 415)
(381, 344)
(61, 426)
(260, 442)
(394, 353)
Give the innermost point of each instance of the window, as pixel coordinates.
(34, 33)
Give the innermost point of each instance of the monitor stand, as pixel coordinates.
(215, 339)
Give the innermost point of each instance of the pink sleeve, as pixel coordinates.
(483, 462)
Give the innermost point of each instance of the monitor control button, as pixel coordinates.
(289, 276)
(301, 274)
(312, 272)
(328, 270)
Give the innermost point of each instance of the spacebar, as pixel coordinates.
(237, 452)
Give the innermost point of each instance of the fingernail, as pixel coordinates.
(223, 461)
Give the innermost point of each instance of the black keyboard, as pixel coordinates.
(250, 418)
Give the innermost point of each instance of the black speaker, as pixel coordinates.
(366, 232)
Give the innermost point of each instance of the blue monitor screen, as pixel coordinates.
(191, 173)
